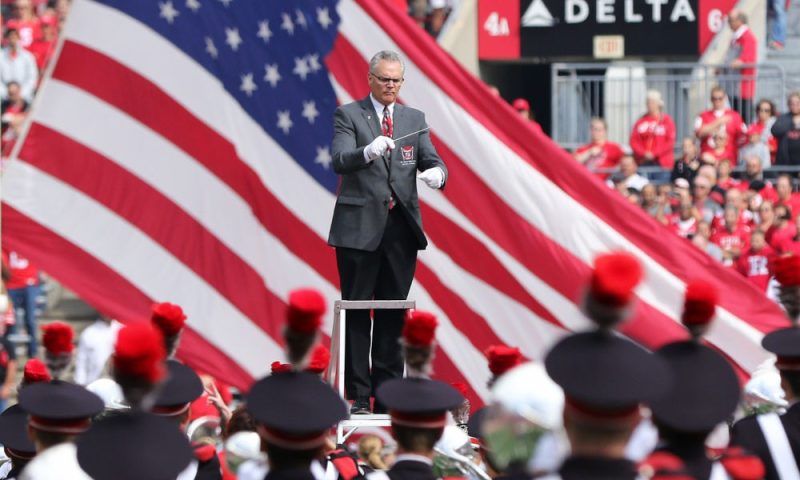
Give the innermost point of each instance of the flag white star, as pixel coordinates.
(300, 18)
(248, 85)
(324, 157)
(264, 32)
(284, 121)
(168, 11)
(271, 74)
(193, 5)
(310, 111)
(313, 62)
(233, 38)
(287, 23)
(211, 49)
(226, 2)
(301, 67)
(324, 17)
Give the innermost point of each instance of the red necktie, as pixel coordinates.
(388, 129)
(386, 125)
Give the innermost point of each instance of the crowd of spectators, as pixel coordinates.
(717, 195)
(30, 33)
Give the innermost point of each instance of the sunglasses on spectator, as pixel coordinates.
(717, 98)
(767, 109)
(386, 80)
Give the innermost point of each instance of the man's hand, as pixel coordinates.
(378, 147)
(433, 177)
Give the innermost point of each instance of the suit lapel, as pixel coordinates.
(368, 111)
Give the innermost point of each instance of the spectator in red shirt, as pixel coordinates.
(23, 289)
(599, 153)
(784, 189)
(523, 108)
(720, 151)
(683, 223)
(653, 135)
(43, 49)
(28, 23)
(754, 263)
(742, 53)
(719, 117)
(732, 238)
(782, 229)
(765, 118)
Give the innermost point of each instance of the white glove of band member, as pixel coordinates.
(378, 147)
(433, 177)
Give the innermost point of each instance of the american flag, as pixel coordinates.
(179, 151)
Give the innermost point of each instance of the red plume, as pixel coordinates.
(741, 465)
(699, 306)
(320, 359)
(139, 352)
(502, 358)
(57, 338)
(306, 308)
(787, 270)
(168, 317)
(614, 277)
(420, 328)
(35, 372)
(278, 367)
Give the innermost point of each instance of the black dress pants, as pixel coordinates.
(385, 274)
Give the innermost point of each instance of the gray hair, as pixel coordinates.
(388, 56)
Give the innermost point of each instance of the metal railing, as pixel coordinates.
(616, 92)
(660, 175)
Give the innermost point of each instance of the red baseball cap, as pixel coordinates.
(521, 104)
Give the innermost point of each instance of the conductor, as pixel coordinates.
(377, 227)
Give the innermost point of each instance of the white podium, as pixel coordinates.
(336, 367)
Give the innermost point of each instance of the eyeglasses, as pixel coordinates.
(767, 109)
(387, 80)
(717, 99)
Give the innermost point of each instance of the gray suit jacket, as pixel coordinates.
(362, 205)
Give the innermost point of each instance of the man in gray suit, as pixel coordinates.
(377, 227)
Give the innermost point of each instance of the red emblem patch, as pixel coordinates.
(408, 152)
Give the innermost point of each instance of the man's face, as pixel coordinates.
(13, 39)
(757, 242)
(718, 99)
(734, 22)
(385, 81)
(784, 187)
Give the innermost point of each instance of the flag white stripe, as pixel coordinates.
(101, 233)
(529, 193)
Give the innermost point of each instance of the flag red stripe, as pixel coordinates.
(184, 237)
(539, 151)
(144, 101)
(474, 257)
(480, 333)
(92, 280)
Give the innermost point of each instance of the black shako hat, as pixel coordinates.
(134, 446)
(59, 407)
(182, 387)
(605, 375)
(705, 390)
(418, 402)
(14, 431)
(295, 410)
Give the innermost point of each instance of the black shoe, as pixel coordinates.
(360, 407)
(380, 408)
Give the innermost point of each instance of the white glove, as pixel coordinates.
(378, 147)
(433, 177)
